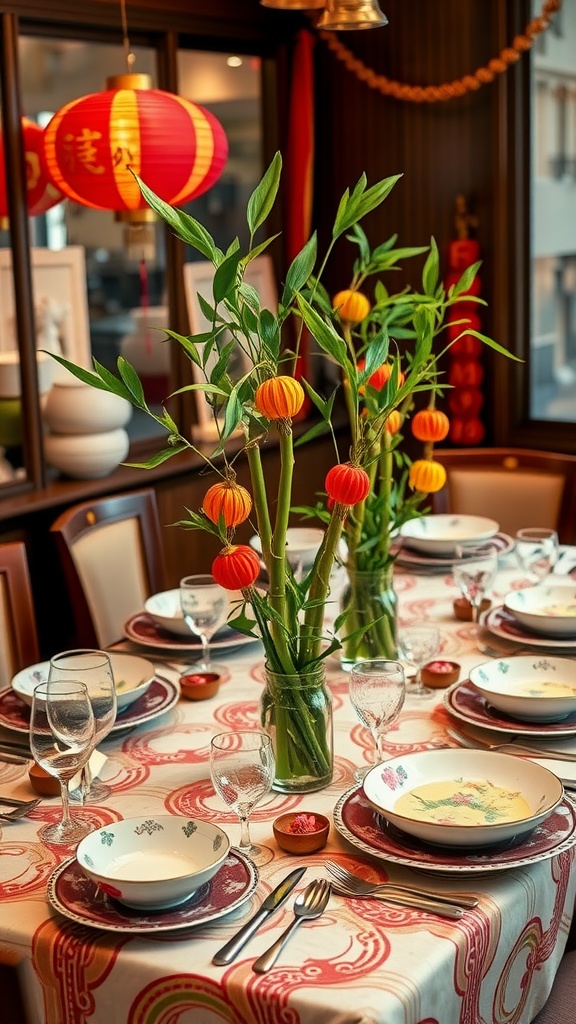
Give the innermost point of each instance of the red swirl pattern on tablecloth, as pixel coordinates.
(198, 800)
(96, 816)
(237, 715)
(24, 869)
(167, 1000)
(185, 743)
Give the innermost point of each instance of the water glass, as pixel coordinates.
(204, 606)
(242, 770)
(474, 573)
(377, 689)
(61, 741)
(537, 551)
(418, 645)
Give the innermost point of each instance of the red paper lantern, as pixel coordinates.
(94, 143)
(41, 193)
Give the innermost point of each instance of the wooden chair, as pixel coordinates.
(18, 633)
(517, 487)
(111, 554)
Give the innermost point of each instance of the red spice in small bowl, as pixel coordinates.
(199, 685)
(299, 832)
(440, 673)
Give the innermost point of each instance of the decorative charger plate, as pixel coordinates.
(503, 624)
(465, 702)
(161, 695)
(358, 822)
(442, 563)
(144, 630)
(77, 897)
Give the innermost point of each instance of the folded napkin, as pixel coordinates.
(96, 764)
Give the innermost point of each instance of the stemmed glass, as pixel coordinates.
(377, 689)
(94, 668)
(242, 768)
(204, 606)
(418, 645)
(537, 551)
(474, 573)
(61, 741)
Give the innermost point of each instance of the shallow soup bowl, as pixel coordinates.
(463, 798)
(546, 609)
(440, 534)
(153, 863)
(532, 687)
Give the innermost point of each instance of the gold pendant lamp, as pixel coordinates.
(342, 15)
(294, 5)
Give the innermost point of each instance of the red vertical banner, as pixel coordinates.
(299, 166)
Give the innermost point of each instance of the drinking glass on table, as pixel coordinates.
(474, 572)
(61, 741)
(204, 606)
(418, 645)
(377, 688)
(94, 669)
(242, 767)
(537, 551)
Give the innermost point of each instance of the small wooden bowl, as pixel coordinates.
(44, 783)
(301, 842)
(440, 673)
(199, 685)
(463, 608)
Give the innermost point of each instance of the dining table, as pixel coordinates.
(84, 960)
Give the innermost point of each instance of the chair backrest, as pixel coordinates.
(111, 553)
(18, 634)
(517, 487)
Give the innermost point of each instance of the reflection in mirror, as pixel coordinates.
(124, 295)
(553, 200)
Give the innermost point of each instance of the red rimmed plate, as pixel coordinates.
(161, 695)
(142, 629)
(78, 898)
(357, 821)
(465, 702)
(503, 624)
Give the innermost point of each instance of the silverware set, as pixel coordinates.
(20, 808)
(307, 906)
(452, 905)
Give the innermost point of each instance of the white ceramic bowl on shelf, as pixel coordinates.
(549, 609)
(73, 407)
(86, 456)
(153, 862)
(463, 797)
(532, 687)
(439, 534)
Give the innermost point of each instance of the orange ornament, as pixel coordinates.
(229, 500)
(351, 306)
(236, 567)
(394, 422)
(347, 484)
(279, 398)
(426, 476)
(430, 425)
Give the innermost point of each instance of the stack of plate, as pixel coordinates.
(428, 543)
(542, 616)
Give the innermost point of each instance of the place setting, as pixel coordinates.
(429, 543)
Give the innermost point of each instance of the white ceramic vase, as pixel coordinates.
(73, 407)
(86, 456)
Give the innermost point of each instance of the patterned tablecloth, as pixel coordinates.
(362, 961)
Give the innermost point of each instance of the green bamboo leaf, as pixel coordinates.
(299, 270)
(376, 354)
(132, 381)
(431, 270)
(259, 249)
(206, 308)
(264, 196)
(116, 386)
(466, 280)
(318, 430)
(233, 415)
(324, 333)
(270, 333)
(324, 406)
(183, 225)
(158, 458)
(225, 277)
(494, 345)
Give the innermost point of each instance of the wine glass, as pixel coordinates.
(242, 768)
(61, 741)
(204, 606)
(474, 573)
(537, 551)
(418, 645)
(94, 668)
(377, 689)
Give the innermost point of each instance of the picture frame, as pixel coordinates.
(198, 277)
(60, 302)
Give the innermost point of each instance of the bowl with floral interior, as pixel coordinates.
(531, 687)
(132, 677)
(546, 609)
(440, 534)
(463, 798)
(301, 832)
(153, 862)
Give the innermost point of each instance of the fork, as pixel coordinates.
(19, 812)
(360, 887)
(512, 748)
(307, 905)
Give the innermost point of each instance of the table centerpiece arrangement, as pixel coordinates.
(288, 614)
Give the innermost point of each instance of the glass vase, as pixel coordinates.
(368, 611)
(296, 711)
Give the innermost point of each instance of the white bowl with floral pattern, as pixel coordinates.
(460, 797)
(549, 609)
(440, 534)
(153, 862)
(531, 687)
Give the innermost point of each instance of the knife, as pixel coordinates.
(276, 898)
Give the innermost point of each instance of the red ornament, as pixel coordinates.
(347, 484)
(41, 193)
(94, 143)
(461, 252)
(465, 401)
(236, 567)
(465, 373)
(467, 431)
